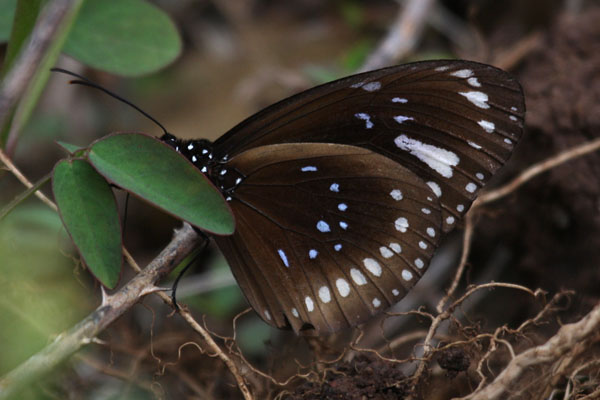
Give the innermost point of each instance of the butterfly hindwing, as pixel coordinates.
(327, 235)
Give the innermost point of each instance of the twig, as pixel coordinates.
(17, 173)
(113, 307)
(17, 80)
(537, 169)
(551, 351)
(402, 37)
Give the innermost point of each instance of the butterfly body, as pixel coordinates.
(342, 193)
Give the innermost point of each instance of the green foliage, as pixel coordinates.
(124, 37)
(158, 174)
(89, 212)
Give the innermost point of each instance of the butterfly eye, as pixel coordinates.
(342, 193)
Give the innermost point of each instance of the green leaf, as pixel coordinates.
(7, 14)
(158, 174)
(88, 209)
(69, 148)
(124, 37)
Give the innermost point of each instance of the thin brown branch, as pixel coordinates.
(113, 307)
(403, 36)
(537, 169)
(551, 351)
(17, 80)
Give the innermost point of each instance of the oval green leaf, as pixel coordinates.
(158, 174)
(88, 210)
(124, 37)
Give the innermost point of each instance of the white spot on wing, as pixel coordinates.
(376, 302)
(478, 98)
(406, 275)
(431, 232)
(463, 73)
(419, 263)
(474, 145)
(487, 126)
(401, 224)
(480, 176)
(372, 266)
(312, 254)
(343, 287)
(295, 313)
(435, 187)
(473, 82)
(190, 146)
(425, 210)
(396, 247)
(343, 225)
(283, 257)
(337, 247)
(324, 294)
(450, 220)
(438, 159)
(399, 100)
(471, 187)
(194, 158)
(460, 208)
(422, 245)
(401, 118)
(342, 206)
(385, 252)
(508, 141)
(308, 168)
(334, 187)
(323, 226)
(310, 305)
(395, 292)
(267, 315)
(442, 68)
(513, 108)
(365, 117)
(513, 118)
(372, 86)
(396, 194)
(358, 277)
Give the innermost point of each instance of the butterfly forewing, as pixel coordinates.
(327, 235)
(453, 123)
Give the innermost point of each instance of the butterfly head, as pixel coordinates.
(198, 151)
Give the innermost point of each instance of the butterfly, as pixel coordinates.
(342, 193)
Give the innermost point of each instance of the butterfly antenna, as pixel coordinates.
(82, 80)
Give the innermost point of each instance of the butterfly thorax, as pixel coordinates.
(200, 152)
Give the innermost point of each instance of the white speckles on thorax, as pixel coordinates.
(438, 159)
